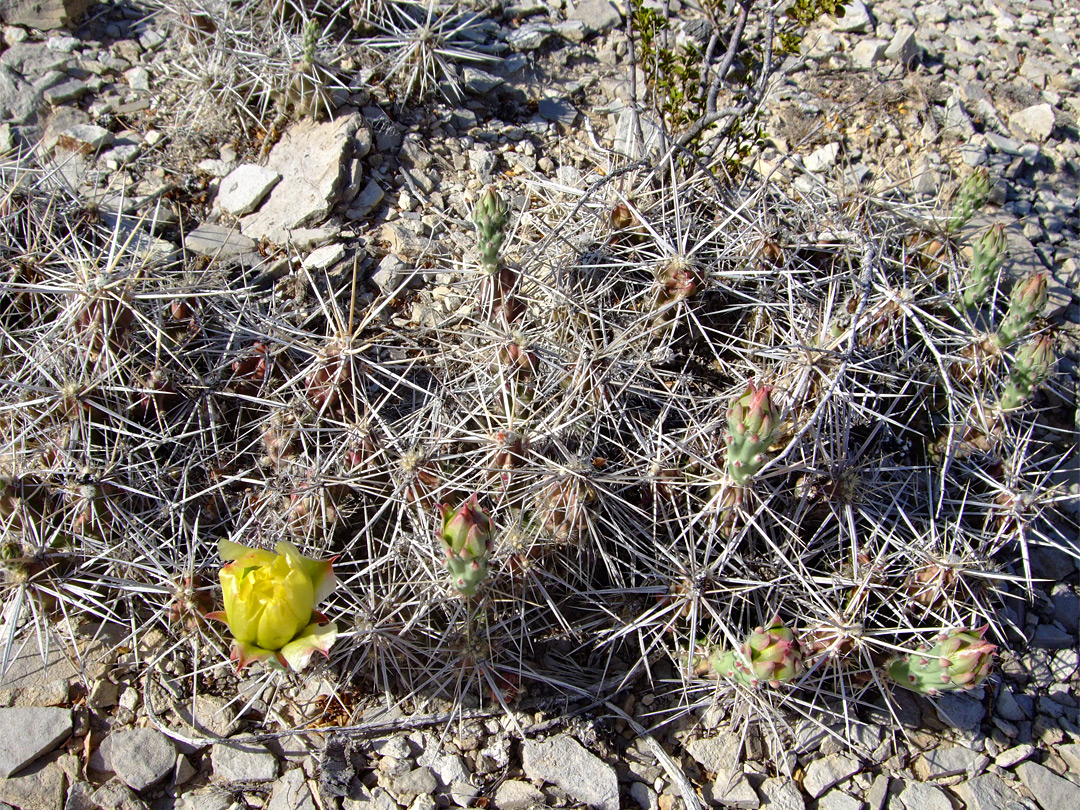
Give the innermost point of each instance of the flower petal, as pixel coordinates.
(244, 654)
(314, 637)
(321, 572)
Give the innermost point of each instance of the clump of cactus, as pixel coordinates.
(768, 655)
(1034, 364)
(752, 421)
(958, 659)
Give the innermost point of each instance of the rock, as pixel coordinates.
(732, 790)
(242, 763)
(19, 100)
(1012, 756)
(86, 139)
(868, 52)
(27, 733)
(1035, 122)
(43, 15)
(902, 47)
(781, 793)
(416, 782)
(1051, 791)
(920, 796)
(559, 110)
(1071, 755)
(855, 20)
(515, 794)
(115, 795)
(717, 755)
(312, 159)
(564, 762)
(949, 760)
(479, 82)
(210, 798)
(960, 711)
(1049, 637)
(244, 188)
(217, 241)
(141, 757)
(449, 769)
(39, 786)
(1009, 708)
(366, 201)
(878, 792)
(838, 800)
(596, 15)
(1066, 607)
(324, 257)
(823, 158)
(291, 792)
(64, 92)
(823, 773)
(529, 37)
(214, 716)
(988, 792)
(956, 121)
(625, 138)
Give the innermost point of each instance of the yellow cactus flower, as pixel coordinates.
(270, 601)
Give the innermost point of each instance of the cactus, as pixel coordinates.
(1027, 300)
(490, 216)
(973, 193)
(960, 659)
(751, 424)
(466, 539)
(772, 656)
(989, 253)
(1033, 365)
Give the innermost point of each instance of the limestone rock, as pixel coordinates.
(245, 187)
(27, 733)
(243, 763)
(291, 792)
(140, 757)
(1035, 122)
(823, 773)
(1050, 790)
(563, 761)
(43, 15)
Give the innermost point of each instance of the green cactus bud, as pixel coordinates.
(751, 424)
(310, 42)
(1032, 366)
(490, 216)
(973, 193)
(466, 539)
(772, 656)
(989, 253)
(1027, 300)
(960, 659)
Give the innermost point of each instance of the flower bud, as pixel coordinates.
(466, 537)
(1027, 300)
(989, 253)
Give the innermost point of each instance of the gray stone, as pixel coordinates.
(366, 201)
(855, 20)
(1003, 144)
(514, 794)
(85, 139)
(39, 786)
(838, 800)
(138, 78)
(1066, 607)
(291, 792)
(717, 755)
(140, 757)
(1051, 791)
(529, 37)
(115, 795)
(43, 15)
(244, 188)
(479, 82)
(250, 762)
(732, 790)
(921, 796)
(415, 782)
(563, 761)
(1012, 756)
(988, 792)
(482, 163)
(955, 121)
(960, 711)
(1009, 708)
(902, 47)
(878, 792)
(823, 158)
(27, 733)
(1049, 637)
(868, 52)
(626, 139)
(217, 241)
(64, 92)
(781, 793)
(312, 159)
(823, 773)
(558, 110)
(949, 760)
(214, 716)
(208, 798)
(596, 15)
(324, 257)
(1035, 122)
(449, 769)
